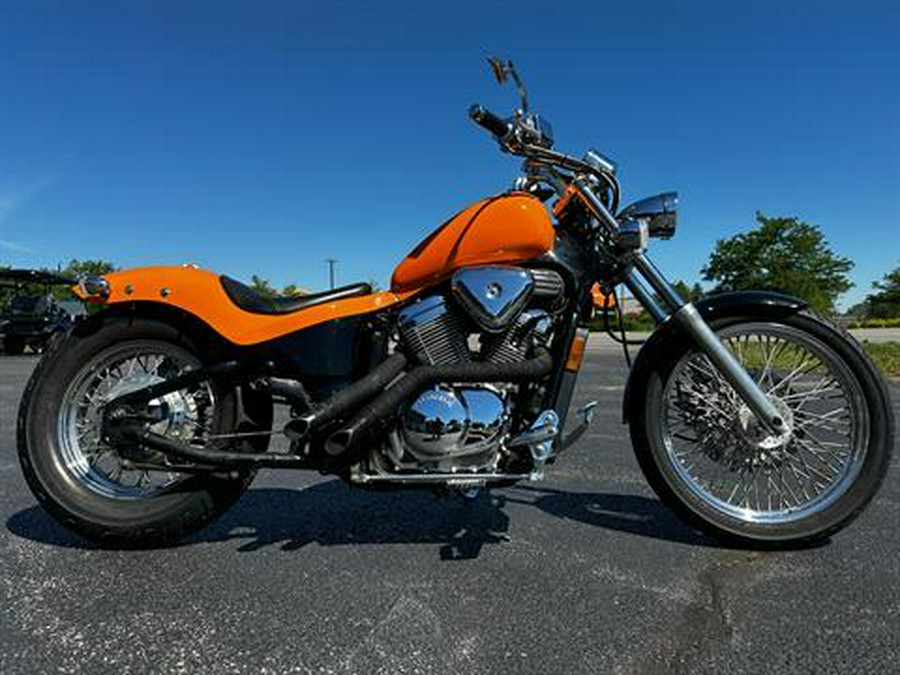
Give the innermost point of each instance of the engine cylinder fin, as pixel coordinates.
(530, 329)
(547, 283)
(433, 333)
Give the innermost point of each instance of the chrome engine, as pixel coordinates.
(509, 310)
(433, 333)
(448, 427)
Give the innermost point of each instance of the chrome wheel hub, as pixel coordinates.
(185, 415)
(757, 435)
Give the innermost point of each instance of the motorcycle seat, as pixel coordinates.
(249, 300)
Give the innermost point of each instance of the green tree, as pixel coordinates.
(781, 254)
(293, 289)
(689, 293)
(886, 303)
(262, 286)
(6, 292)
(91, 268)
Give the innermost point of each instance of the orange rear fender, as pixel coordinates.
(200, 293)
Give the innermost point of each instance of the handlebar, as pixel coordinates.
(507, 132)
(485, 118)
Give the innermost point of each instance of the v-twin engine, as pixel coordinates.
(493, 314)
(506, 306)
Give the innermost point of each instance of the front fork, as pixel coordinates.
(670, 306)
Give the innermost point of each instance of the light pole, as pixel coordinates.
(331, 263)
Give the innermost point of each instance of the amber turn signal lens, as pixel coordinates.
(576, 351)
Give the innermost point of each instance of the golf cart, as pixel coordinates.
(31, 315)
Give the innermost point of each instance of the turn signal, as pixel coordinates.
(93, 288)
(576, 351)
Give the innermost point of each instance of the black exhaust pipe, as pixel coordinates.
(348, 399)
(215, 459)
(410, 384)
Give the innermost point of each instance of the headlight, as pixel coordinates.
(659, 212)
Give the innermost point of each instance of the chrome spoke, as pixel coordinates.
(722, 455)
(99, 466)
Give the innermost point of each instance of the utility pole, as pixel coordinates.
(331, 263)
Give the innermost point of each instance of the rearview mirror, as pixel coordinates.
(502, 70)
(499, 70)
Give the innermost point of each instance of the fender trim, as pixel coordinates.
(749, 304)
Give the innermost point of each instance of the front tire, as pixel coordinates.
(707, 458)
(83, 482)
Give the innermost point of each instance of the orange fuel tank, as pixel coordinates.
(510, 228)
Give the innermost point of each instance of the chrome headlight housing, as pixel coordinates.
(659, 212)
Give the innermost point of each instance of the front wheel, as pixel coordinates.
(708, 458)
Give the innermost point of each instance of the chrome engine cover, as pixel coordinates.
(493, 296)
(449, 422)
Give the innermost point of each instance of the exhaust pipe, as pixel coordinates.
(410, 384)
(348, 399)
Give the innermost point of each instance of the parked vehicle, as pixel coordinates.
(32, 319)
(756, 420)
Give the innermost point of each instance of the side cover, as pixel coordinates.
(509, 228)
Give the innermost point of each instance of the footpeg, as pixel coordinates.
(587, 416)
(544, 429)
(539, 440)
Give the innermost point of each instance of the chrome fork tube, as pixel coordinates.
(645, 297)
(687, 316)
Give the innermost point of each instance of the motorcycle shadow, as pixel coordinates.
(642, 516)
(333, 514)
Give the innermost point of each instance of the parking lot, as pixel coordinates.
(583, 573)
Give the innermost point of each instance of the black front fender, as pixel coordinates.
(714, 308)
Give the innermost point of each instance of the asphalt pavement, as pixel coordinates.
(585, 572)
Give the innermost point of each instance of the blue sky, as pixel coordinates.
(264, 137)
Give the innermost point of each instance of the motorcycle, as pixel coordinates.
(754, 419)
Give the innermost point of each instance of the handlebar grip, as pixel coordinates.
(485, 118)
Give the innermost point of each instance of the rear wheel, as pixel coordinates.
(91, 486)
(708, 458)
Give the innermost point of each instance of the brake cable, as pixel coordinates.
(620, 319)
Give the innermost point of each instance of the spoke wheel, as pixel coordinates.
(709, 459)
(108, 494)
(727, 459)
(185, 415)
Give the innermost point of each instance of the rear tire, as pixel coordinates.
(68, 480)
(692, 465)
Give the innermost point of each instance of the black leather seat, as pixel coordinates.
(250, 301)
